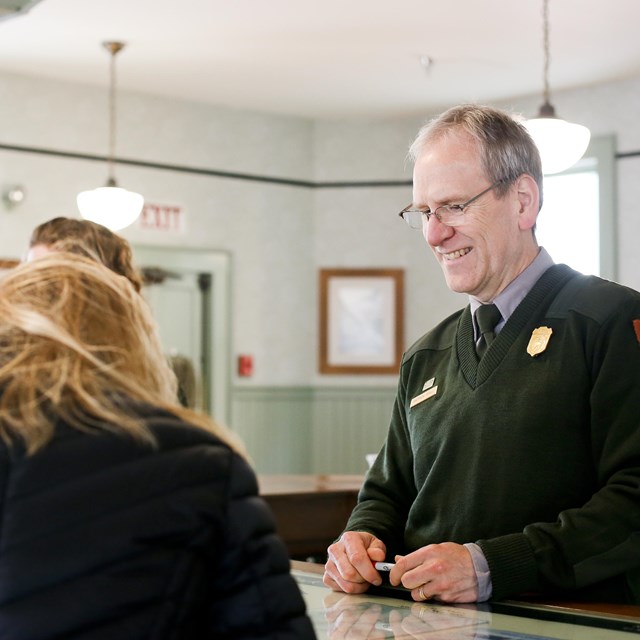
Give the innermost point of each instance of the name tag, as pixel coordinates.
(429, 393)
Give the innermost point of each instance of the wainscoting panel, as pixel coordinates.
(304, 430)
(349, 423)
(275, 424)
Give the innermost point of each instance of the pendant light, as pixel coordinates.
(561, 143)
(111, 205)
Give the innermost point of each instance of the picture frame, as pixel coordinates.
(7, 264)
(361, 321)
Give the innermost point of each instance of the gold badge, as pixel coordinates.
(539, 341)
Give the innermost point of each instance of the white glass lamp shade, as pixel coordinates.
(112, 207)
(561, 143)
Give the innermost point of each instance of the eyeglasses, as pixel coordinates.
(449, 214)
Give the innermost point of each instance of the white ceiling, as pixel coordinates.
(327, 58)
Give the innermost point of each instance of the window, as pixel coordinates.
(577, 221)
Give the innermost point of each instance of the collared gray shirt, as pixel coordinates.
(515, 292)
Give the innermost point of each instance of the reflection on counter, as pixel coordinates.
(339, 616)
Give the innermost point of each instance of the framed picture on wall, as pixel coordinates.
(8, 263)
(361, 321)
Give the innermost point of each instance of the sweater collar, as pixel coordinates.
(475, 373)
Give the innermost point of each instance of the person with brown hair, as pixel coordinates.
(88, 239)
(124, 514)
(95, 241)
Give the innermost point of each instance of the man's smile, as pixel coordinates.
(453, 255)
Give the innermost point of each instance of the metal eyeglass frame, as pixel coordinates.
(446, 213)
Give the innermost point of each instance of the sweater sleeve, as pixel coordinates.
(255, 594)
(591, 544)
(389, 490)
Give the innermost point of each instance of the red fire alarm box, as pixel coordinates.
(245, 366)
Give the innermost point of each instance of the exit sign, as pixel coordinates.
(162, 217)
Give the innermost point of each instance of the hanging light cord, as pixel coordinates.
(546, 110)
(545, 23)
(113, 48)
(111, 206)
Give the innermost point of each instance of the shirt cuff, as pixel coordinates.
(483, 575)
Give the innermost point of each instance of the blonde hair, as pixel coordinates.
(89, 239)
(78, 343)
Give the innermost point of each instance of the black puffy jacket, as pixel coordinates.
(105, 538)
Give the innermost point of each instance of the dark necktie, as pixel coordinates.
(487, 317)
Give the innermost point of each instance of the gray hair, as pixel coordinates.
(506, 149)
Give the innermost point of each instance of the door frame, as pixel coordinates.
(218, 264)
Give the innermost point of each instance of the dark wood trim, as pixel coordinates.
(214, 173)
(622, 617)
(311, 511)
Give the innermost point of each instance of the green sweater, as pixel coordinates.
(537, 459)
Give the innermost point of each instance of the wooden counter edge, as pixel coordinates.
(308, 567)
(623, 610)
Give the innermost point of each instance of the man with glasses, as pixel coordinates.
(512, 463)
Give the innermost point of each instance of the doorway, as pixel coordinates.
(189, 293)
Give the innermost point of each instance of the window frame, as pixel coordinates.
(600, 154)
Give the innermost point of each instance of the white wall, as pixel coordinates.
(278, 236)
(266, 228)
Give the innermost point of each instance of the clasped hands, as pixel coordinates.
(442, 571)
